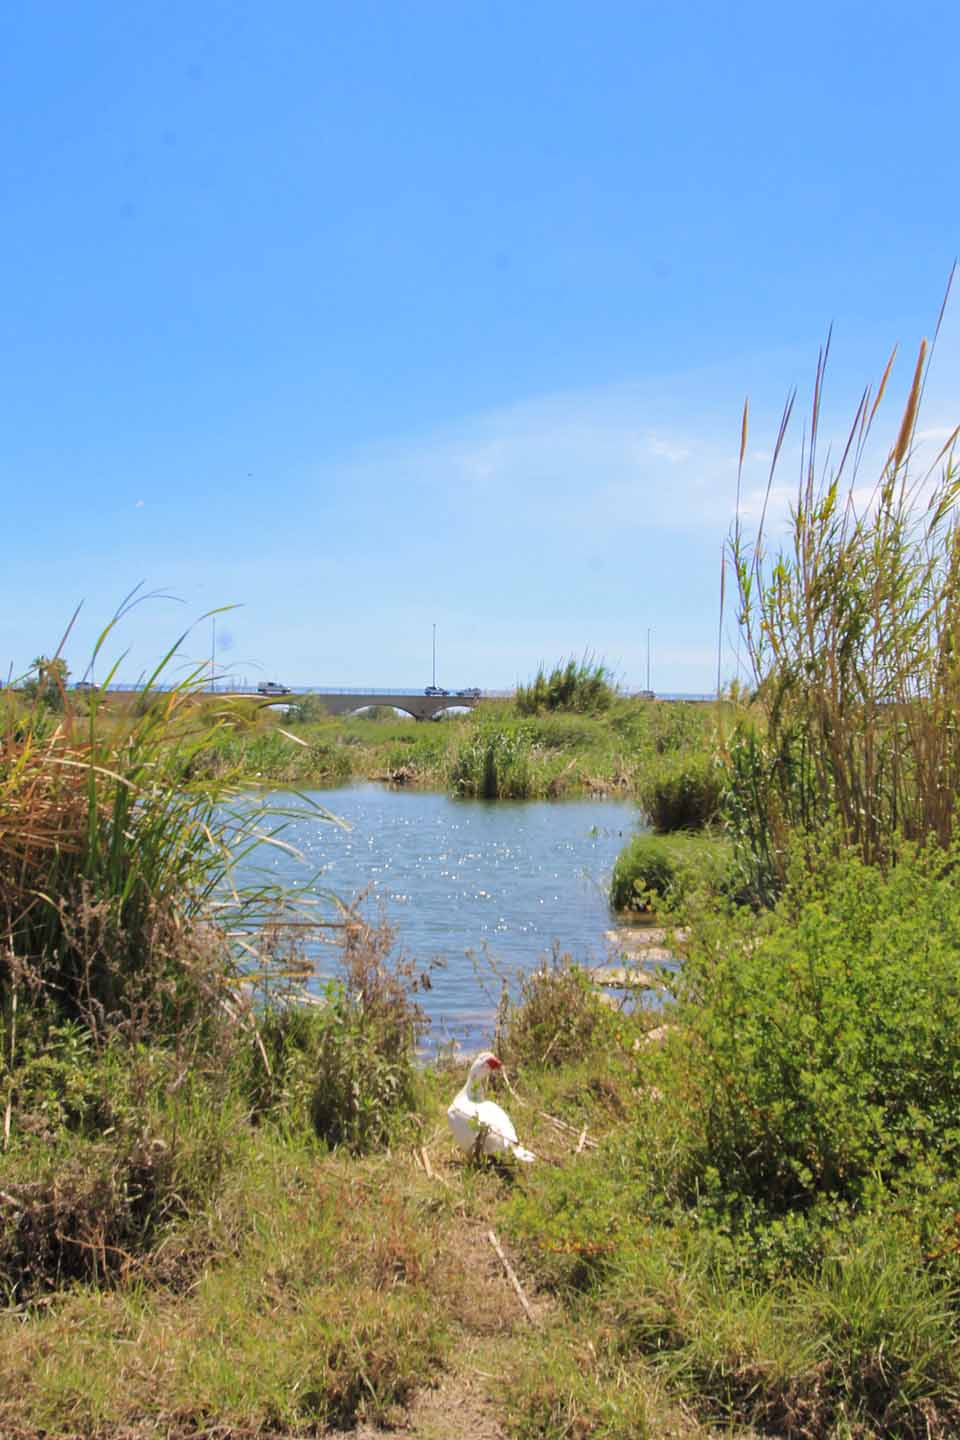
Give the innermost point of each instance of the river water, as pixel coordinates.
(473, 887)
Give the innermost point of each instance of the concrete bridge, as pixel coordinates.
(343, 702)
(335, 701)
(346, 700)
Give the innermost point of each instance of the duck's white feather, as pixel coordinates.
(471, 1119)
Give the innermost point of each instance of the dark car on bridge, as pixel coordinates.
(471, 693)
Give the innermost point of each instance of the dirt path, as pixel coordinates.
(462, 1405)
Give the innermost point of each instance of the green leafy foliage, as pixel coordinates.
(343, 1063)
(584, 685)
(306, 710)
(824, 1044)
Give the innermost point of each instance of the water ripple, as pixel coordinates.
(438, 866)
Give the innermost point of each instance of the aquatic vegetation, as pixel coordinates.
(667, 872)
(682, 792)
(494, 763)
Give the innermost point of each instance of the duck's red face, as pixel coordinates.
(494, 1064)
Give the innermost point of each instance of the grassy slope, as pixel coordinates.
(318, 1290)
(303, 1289)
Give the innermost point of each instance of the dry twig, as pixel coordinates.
(512, 1276)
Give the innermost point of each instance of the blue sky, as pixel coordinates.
(367, 317)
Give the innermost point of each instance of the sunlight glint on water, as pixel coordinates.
(455, 876)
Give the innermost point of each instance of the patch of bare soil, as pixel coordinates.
(488, 1311)
(459, 1408)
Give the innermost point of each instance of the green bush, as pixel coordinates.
(683, 796)
(108, 1153)
(306, 710)
(365, 1079)
(346, 1065)
(582, 685)
(558, 1017)
(645, 868)
(654, 871)
(823, 1046)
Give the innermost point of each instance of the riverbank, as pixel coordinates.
(226, 1212)
(494, 752)
(712, 1240)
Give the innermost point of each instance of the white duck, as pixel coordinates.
(480, 1125)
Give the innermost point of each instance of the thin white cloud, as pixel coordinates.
(632, 458)
(669, 451)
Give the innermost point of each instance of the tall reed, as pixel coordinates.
(853, 632)
(115, 891)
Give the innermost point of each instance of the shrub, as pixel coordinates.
(684, 796)
(823, 1047)
(346, 1065)
(107, 1153)
(380, 715)
(653, 872)
(644, 869)
(306, 710)
(584, 685)
(558, 1016)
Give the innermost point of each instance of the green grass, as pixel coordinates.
(301, 1287)
(670, 873)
